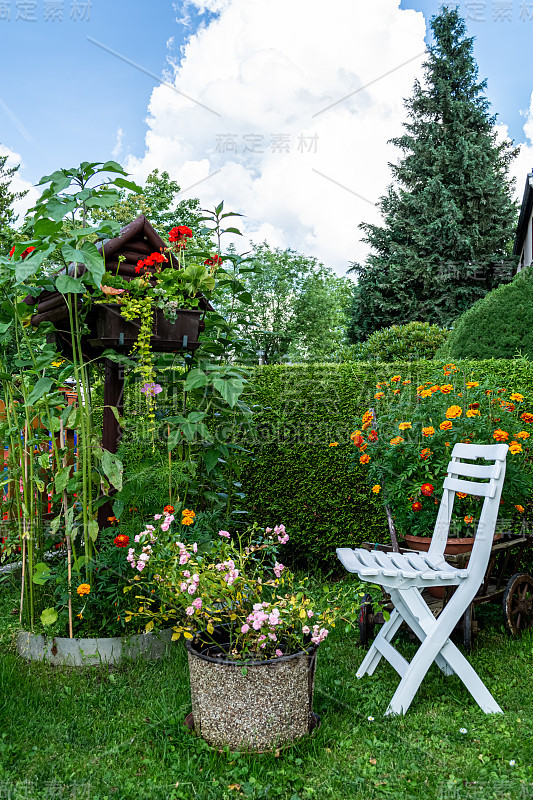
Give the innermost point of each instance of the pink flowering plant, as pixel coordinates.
(237, 584)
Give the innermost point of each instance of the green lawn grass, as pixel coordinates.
(102, 734)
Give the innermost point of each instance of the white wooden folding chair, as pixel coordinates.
(406, 575)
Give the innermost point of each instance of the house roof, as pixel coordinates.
(525, 215)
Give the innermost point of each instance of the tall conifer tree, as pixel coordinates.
(448, 217)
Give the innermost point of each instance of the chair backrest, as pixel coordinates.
(482, 480)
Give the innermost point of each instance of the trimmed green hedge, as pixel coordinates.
(314, 489)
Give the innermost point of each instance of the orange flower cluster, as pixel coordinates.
(526, 417)
(187, 516)
(500, 436)
(397, 440)
(426, 453)
(405, 426)
(429, 431)
(454, 412)
(447, 425)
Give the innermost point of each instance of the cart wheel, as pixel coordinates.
(518, 604)
(467, 626)
(366, 623)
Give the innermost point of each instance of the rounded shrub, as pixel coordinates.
(410, 342)
(500, 325)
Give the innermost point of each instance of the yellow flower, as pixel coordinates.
(79, 616)
(364, 459)
(397, 440)
(453, 412)
(429, 431)
(520, 508)
(472, 384)
(378, 395)
(376, 489)
(333, 444)
(426, 393)
(522, 435)
(518, 398)
(473, 412)
(405, 426)
(515, 447)
(396, 378)
(83, 588)
(446, 388)
(57, 363)
(187, 512)
(447, 425)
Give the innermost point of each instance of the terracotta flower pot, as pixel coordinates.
(259, 706)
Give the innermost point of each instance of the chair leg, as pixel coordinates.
(373, 657)
(415, 625)
(435, 643)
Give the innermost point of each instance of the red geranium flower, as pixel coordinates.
(121, 540)
(213, 261)
(417, 506)
(179, 233)
(427, 489)
(26, 252)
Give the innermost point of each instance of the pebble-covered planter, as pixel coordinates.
(261, 706)
(91, 652)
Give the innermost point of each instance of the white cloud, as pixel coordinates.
(523, 164)
(270, 71)
(19, 184)
(119, 141)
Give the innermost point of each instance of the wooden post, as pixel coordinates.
(111, 433)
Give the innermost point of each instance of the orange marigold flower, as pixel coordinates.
(526, 417)
(406, 383)
(83, 588)
(447, 444)
(462, 495)
(447, 425)
(520, 508)
(451, 367)
(357, 440)
(515, 447)
(517, 397)
(396, 378)
(333, 444)
(426, 453)
(187, 521)
(379, 394)
(521, 435)
(396, 391)
(426, 393)
(417, 506)
(469, 519)
(435, 388)
(169, 510)
(397, 440)
(500, 436)
(508, 406)
(364, 459)
(121, 540)
(454, 412)
(473, 412)
(474, 405)
(472, 384)
(373, 436)
(367, 419)
(429, 431)
(376, 488)
(427, 489)
(112, 520)
(405, 426)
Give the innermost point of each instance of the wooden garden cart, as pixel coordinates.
(504, 582)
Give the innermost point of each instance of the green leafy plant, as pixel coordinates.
(415, 340)
(407, 442)
(236, 584)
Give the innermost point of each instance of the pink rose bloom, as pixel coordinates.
(262, 638)
(137, 537)
(196, 578)
(158, 516)
(268, 530)
(197, 603)
(183, 587)
(192, 588)
(245, 628)
(279, 653)
(224, 533)
(306, 629)
(165, 526)
(184, 558)
(140, 565)
(195, 548)
(278, 569)
(189, 611)
(273, 637)
(310, 614)
(186, 574)
(144, 557)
